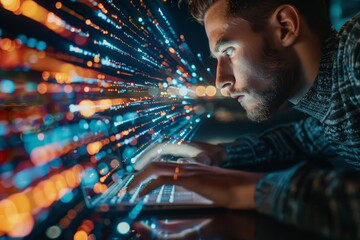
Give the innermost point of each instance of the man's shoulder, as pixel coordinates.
(352, 26)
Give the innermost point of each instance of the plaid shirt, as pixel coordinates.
(312, 195)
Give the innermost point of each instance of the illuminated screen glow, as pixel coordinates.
(85, 85)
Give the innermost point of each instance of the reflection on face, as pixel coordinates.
(248, 68)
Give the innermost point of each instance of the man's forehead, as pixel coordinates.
(218, 10)
(215, 19)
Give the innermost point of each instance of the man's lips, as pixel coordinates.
(238, 97)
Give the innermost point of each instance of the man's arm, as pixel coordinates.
(284, 145)
(323, 201)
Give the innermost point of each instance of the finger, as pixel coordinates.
(154, 170)
(162, 180)
(203, 158)
(143, 229)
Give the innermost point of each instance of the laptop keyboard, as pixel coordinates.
(165, 194)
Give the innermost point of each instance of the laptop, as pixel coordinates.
(109, 193)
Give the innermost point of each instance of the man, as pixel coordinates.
(270, 52)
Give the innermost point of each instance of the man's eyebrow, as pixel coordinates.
(218, 44)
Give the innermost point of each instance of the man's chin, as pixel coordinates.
(258, 115)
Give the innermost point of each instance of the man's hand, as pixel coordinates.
(210, 154)
(204, 153)
(226, 188)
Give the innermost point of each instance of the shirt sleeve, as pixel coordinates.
(323, 201)
(284, 145)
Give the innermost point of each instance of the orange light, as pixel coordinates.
(69, 116)
(30, 9)
(68, 89)
(87, 108)
(105, 104)
(50, 191)
(58, 5)
(70, 178)
(172, 50)
(39, 197)
(8, 214)
(42, 88)
(100, 188)
(6, 44)
(80, 235)
(23, 226)
(64, 223)
(11, 5)
(46, 75)
(210, 91)
(71, 214)
(200, 91)
(59, 182)
(93, 148)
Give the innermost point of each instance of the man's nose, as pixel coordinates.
(224, 74)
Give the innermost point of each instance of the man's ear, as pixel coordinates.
(286, 20)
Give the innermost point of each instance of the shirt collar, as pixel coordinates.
(315, 101)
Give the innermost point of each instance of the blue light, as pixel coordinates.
(31, 42)
(30, 87)
(0, 32)
(41, 46)
(208, 69)
(123, 228)
(3, 128)
(103, 168)
(194, 74)
(41, 170)
(22, 38)
(90, 177)
(56, 163)
(23, 179)
(67, 197)
(140, 19)
(129, 152)
(7, 86)
(193, 67)
(83, 124)
(129, 168)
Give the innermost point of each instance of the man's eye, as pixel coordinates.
(229, 52)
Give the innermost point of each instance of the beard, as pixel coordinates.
(282, 74)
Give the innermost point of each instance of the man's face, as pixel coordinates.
(248, 68)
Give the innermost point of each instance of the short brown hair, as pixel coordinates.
(258, 11)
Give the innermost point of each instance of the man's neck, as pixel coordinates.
(309, 55)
